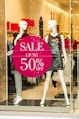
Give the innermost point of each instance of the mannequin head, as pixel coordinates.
(23, 25)
(52, 25)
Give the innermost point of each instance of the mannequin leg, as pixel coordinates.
(18, 85)
(47, 80)
(60, 72)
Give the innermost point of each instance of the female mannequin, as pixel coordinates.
(53, 41)
(17, 75)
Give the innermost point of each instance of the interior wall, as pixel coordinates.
(75, 27)
(16, 10)
(62, 17)
(33, 9)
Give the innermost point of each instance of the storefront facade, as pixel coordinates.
(33, 11)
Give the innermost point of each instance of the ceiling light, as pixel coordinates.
(75, 1)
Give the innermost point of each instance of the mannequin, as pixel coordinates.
(54, 45)
(17, 75)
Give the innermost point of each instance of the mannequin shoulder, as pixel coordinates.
(62, 39)
(18, 36)
(46, 38)
(61, 36)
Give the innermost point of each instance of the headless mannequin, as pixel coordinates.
(17, 75)
(52, 27)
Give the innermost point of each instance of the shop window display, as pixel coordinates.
(59, 84)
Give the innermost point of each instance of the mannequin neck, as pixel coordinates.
(21, 31)
(54, 32)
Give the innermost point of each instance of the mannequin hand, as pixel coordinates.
(9, 53)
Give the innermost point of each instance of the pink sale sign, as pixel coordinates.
(32, 56)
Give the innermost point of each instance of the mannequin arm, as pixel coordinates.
(63, 49)
(17, 38)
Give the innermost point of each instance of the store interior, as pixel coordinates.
(66, 14)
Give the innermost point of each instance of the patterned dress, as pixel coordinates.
(57, 62)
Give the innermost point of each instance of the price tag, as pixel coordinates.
(32, 56)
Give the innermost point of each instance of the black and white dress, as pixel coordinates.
(54, 43)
